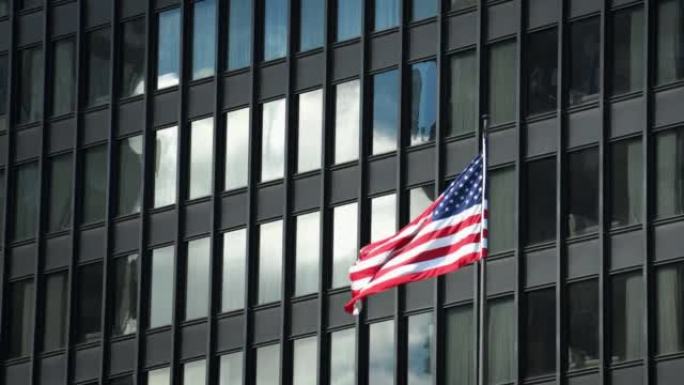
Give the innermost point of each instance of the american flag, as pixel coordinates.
(449, 234)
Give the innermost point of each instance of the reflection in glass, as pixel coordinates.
(385, 111)
(237, 148)
(26, 186)
(502, 221)
(63, 77)
(268, 365)
(125, 295)
(168, 48)
(231, 369)
(273, 140)
(310, 131)
(502, 82)
(541, 200)
(159, 377)
(99, 57)
(88, 303)
(627, 315)
(201, 158)
(275, 29)
(670, 45)
(203, 39)
(165, 155)
(381, 347)
(307, 253)
(501, 349)
(4, 8)
(197, 279)
(585, 74)
(583, 324)
(304, 361)
(345, 242)
(130, 175)
(234, 260)
(542, 71)
(423, 101)
(20, 318)
(670, 173)
(583, 194)
(161, 286)
(626, 182)
(460, 346)
(348, 19)
(670, 308)
(312, 17)
(419, 365)
(270, 261)
(61, 185)
(95, 184)
(347, 115)
(383, 217)
(3, 91)
(342, 368)
(628, 52)
(463, 94)
(239, 34)
(386, 14)
(195, 372)
(30, 85)
(133, 59)
(540, 356)
(55, 314)
(419, 199)
(423, 9)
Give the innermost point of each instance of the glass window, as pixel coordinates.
(88, 303)
(381, 358)
(133, 59)
(501, 349)
(197, 278)
(386, 14)
(345, 242)
(159, 377)
(460, 346)
(583, 324)
(231, 369)
(307, 253)
(275, 29)
(95, 184)
(583, 194)
(305, 359)
(28, 4)
(502, 82)
(670, 173)
(130, 175)
(125, 295)
(585, 73)
(201, 158)
(423, 9)
(268, 365)
(419, 199)
(540, 355)
(310, 132)
(270, 261)
(239, 34)
(626, 182)
(168, 48)
(383, 217)
(542, 71)
(670, 45)
(385, 111)
(237, 148)
(461, 4)
(234, 260)
(348, 19)
(161, 286)
(61, 184)
(165, 166)
(195, 372)
(273, 140)
(3, 91)
(55, 314)
(628, 51)
(347, 116)
(541, 200)
(63, 77)
(463, 94)
(4, 8)
(312, 17)
(670, 308)
(423, 101)
(203, 39)
(627, 316)
(26, 192)
(502, 220)
(20, 325)
(419, 365)
(99, 53)
(30, 85)
(342, 367)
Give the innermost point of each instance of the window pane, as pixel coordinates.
(307, 253)
(268, 365)
(61, 171)
(348, 19)
(463, 94)
(130, 175)
(195, 373)
(237, 148)
(420, 333)
(583, 194)
(270, 261)
(55, 315)
(461, 4)
(386, 14)
(305, 359)
(310, 131)
(583, 325)
(628, 313)
(385, 111)
(239, 34)
(4, 8)
(275, 29)
(419, 199)
(502, 82)
(670, 173)
(89, 303)
(381, 359)
(20, 325)
(460, 346)
(628, 51)
(670, 309)
(201, 158)
(165, 167)
(347, 114)
(30, 85)
(231, 369)
(312, 17)
(273, 140)
(345, 242)
(541, 200)
(670, 34)
(342, 367)
(626, 182)
(63, 77)
(161, 286)
(203, 39)
(500, 341)
(3, 90)
(95, 184)
(26, 192)
(98, 52)
(540, 357)
(159, 377)
(197, 279)
(28, 4)
(585, 74)
(423, 9)
(234, 260)
(133, 59)
(168, 48)
(125, 295)
(502, 220)
(423, 101)
(383, 217)
(542, 71)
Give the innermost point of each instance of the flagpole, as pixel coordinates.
(483, 272)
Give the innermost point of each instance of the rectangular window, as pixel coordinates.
(383, 216)
(159, 377)
(341, 365)
(502, 82)
(30, 85)
(385, 111)
(63, 77)
(628, 51)
(460, 346)
(540, 355)
(670, 45)
(670, 173)
(195, 372)
(585, 69)
(381, 357)
(234, 261)
(201, 158)
(165, 166)
(273, 140)
(197, 270)
(95, 184)
(125, 295)
(463, 94)
(59, 211)
(130, 175)
(99, 55)
(501, 348)
(270, 261)
(502, 218)
(88, 303)
(541, 201)
(4, 68)
(168, 48)
(310, 131)
(55, 315)
(305, 359)
(542, 71)
(307, 253)
(4, 8)
(347, 121)
(670, 308)
(161, 286)
(348, 19)
(275, 29)
(386, 14)
(20, 318)
(239, 34)
(419, 199)
(583, 192)
(345, 242)
(133, 59)
(420, 336)
(268, 365)
(231, 369)
(423, 102)
(422, 9)
(237, 148)
(627, 315)
(626, 182)
(203, 39)
(583, 324)
(312, 17)
(26, 193)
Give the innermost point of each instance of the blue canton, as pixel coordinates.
(463, 193)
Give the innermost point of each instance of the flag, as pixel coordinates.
(449, 234)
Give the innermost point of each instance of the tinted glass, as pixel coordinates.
(161, 286)
(345, 242)
(670, 45)
(275, 28)
(3, 91)
(348, 19)
(270, 261)
(55, 314)
(385, 111)
(88, 303)
(197, 278)
(583, 194)
(541, 200)
(502, 82)
(342, 368)
(422, 9)
(231, 369)
(168, 48)
(311, 24)
(203, 39)
(542, 71)
(125, 295)
(626, 182)
(584, 71)
(99, 53)
(273, 140)
(500, 365)
(310, 131)
(63, 77)
(670, 173)
(423, 101)
(130, 175)
(237, 148)
(386, 14)
(268, 365)
(165, 165)
(347, 115)
(28, 4)
(30, 85)
(307, 253)
(26, 186)
(305, 358)
(670, 308)
(627, 315)
(20, 318)
(239, 34)
(133, 59)
(381, 356)
(95, 184)
(234, 260)
(201, 158)
(463, 94)
(540, 356)
(460, 346)
(628, 51)
(195, 372)
(383, 217)
(502, 220)
(61, 185)
(419, 199)
(583, 324)
(4, 8)
(420, 336)
(159, 377)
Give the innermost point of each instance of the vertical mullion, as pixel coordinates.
(479, 308)
(603, 224)
(519, 139)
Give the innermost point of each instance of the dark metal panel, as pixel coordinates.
(234, 210)
(193, 340)
(462, 30)
(57, 252)
(130, 118)
(3, 149)
(382, 174)
(542, 12)
(30, 28)
(381, 305)
(18, 374)
(52, 370)
(61, 135)
(227, 335)
(344, 184)
(419, 295)
(121, 356)
(25, 144)
(541, 137)
(540, 267)
(669, 372)
(21, 261)
(303, 321)
(626, 250)
(197, 218)
(500, 276)
(309, 71)
(273, 81)
(422, 42)
(627, 117)
(584, 259)
(95, 126)
(94, 16)
(158, 348)
(584, 127)
(420, 166)
(306, 193)
(201, 99)
(584, 7)
(165, 108)
(503, 148)
(131, 8)
(627, 376)
(458, 286)
(86, 364)
(668, 107)
(266, 324)
(586, 379)
(385, 51)
(5, 35)
(126, 236)
(90, 244)
(159, 4)
(668, 241)
(458, 154)
(64, 19)
(161, 227)
(336, 315)
(236, 90)
(269, 202)
(346, 61)
(500, 20)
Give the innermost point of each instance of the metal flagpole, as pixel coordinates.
(482, 264)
